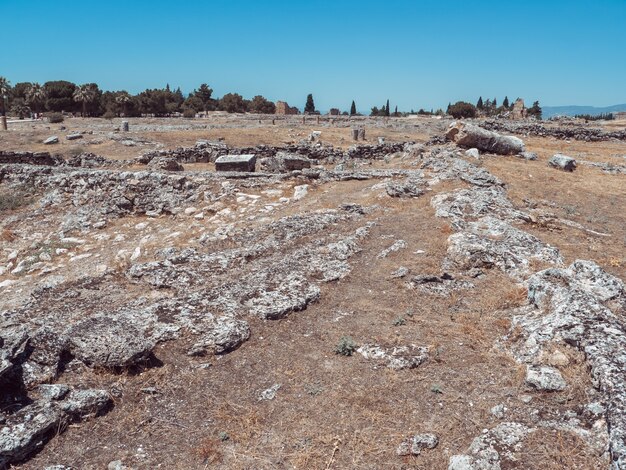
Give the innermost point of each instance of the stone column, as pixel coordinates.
(124, 126)
(362, 133)
(355, 134)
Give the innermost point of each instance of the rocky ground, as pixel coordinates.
(410, 302)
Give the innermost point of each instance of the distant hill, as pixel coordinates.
(549, 111)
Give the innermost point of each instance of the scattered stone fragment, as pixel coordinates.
(493, 449)
(270, 393)
(397, 245)
(400, 272)
(51, 140)
(299, 192)
(528, 155)
(397, 357)
(498, 411)
(562, 162)
(414, 445)
(74, 136)
(472, 153)
(408, 188)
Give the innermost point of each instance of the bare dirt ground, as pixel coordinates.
(329, 411)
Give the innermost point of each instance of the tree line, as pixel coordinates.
(88, 99)
(463, 109)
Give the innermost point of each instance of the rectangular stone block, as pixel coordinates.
(235, 163)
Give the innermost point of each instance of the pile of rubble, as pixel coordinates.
(562, 132)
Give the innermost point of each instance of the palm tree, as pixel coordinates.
(123, 99)
(36, 96)
(5, 88)
(84, 94)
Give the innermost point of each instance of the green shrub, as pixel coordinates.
(189, 113)
(461, 109)
(109, 115)
(346, 346)
(55, 118)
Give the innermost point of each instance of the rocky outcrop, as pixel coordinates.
(491, 242)
(582, 306)
(492, 450)
(27, 430)
(470, 204)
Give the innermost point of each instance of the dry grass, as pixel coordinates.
(13, 200)
(557, 450)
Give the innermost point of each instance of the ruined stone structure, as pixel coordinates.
(519, 111)
(282, 107)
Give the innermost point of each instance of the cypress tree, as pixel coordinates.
(309, 107)
(505, 103)
(353, 109)
(480, 104)
(387, 109)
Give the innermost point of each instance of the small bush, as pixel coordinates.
(13, 200)
(108, 115)
(55, 118)
(346, 346)
(189, 113)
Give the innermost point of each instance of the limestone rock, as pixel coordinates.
(490, 242)
(235, 163)
(108, 342)
(472, 153)
(545, 378)
(414, 445)
(397, 357)
(409, 188)
(167, 164)
(562, 162)
(492, 450)
(471, 136)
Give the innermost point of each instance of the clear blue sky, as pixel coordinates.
(416, 53)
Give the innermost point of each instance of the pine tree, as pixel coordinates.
(480, 104)
(353, 109)
(505, 103)
(309, 107)
(535, 110)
